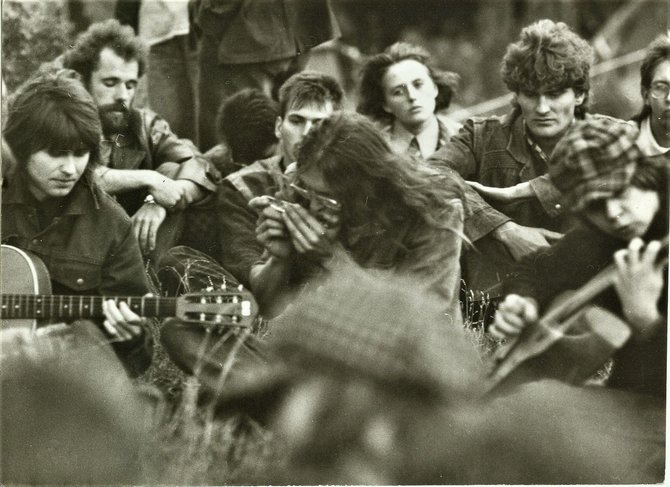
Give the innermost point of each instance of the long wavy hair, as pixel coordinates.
(548, 55)
(371, 91)
(657, 52)
(375, 185)
(53, 112)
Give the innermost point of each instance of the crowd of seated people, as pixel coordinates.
(304, 203)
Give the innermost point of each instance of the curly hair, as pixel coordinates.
(657, 52)
(548, 56)
(309, 87)
(84, 55)
(371, 90)
(53, 112)
(246, 122)
(374, 184)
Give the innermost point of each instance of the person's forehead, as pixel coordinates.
(546, 88)
(404, 71)
(662, 71)
(311, 110)
(111, 64)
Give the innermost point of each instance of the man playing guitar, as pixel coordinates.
(52, 208)
(621, 199)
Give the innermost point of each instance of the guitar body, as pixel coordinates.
(22, 272)
(585, 343)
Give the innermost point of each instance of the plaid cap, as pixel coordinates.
(384, 328)
(594, 160)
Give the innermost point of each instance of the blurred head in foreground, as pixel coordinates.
(377, 390)
(70, 415)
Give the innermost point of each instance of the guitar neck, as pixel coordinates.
(599, 283)
(22, 306)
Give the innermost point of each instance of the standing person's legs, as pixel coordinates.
(171, 78)
(219, 81)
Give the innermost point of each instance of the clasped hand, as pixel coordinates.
(284, 228)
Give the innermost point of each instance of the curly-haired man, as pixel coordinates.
(144, 164)
(515, 209)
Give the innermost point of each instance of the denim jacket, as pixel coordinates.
(494, 152)
(89, 250)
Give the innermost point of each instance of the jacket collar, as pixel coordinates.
(517, 145)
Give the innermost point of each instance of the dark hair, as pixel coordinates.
(550, 56)
(53, 112)
(309, 87)
(246, 123)
(657, 52)
(371, 91)
(84, 55)
(374, 184)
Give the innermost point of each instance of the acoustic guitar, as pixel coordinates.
(27, 300)
(570, 342)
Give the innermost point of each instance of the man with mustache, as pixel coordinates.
(515, 209)
(144, 164)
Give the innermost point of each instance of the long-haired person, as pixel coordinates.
(352, 195)
(403, 91)
(53, 208)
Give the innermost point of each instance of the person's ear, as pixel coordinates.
(579, 98)
(645, 96)
(278, 123)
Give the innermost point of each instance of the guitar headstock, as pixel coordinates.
(228, 306)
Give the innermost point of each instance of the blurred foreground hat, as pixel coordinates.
(386, 328)
(594, 160)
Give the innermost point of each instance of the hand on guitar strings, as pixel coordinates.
(513, 315)
(639, 283)
(120, 321)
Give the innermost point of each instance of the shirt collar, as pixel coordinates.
(533, 145)
(427, 139)
(647, 142)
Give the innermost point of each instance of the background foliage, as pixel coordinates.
(32, 32)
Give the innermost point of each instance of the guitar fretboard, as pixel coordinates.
(21, 306)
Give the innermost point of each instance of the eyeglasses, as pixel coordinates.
(659, 90)
(308, 195)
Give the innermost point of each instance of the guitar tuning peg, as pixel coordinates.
(209, 289)
(224, 286)
(240, 287)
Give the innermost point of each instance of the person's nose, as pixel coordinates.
(613, 209)
(542, 106)
(412, 93)
(308, 126)
(122, 94)
(69, 165)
